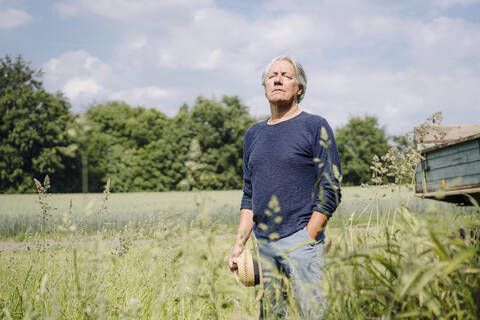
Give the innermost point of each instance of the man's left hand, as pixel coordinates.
(316, 224)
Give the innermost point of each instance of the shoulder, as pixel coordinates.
(316, 122)
(254, 129)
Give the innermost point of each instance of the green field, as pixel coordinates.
(163, 256)
(18, 213)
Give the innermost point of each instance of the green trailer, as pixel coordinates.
(450, 170)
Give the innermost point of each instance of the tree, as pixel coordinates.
(78, 132)
(33, 131)
(219, 128)
(193, 167)
(358, 141)
(139, 149)
(118, 135)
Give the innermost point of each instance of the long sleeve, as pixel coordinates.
(328, 172)
(247, 182)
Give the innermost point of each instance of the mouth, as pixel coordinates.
(279, 90)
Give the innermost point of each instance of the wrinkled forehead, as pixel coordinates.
(281, 66)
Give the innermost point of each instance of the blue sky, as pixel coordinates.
(398, 60)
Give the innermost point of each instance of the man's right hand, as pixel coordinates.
(236, 251)
(244, 230)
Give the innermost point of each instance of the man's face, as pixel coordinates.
(281, 85)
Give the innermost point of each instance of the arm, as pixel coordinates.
(328, 175)
(243, 233)
(316, 224)
(246, 213)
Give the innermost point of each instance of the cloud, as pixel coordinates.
(125, 9)
(147, 96)
(383, 63)
(444, 42)
(76, 87)
(79, 75)
(452, 3)
(200, 44)
(400, 99)
(137, 44)
(400, 61)
(76, 63)
(164, 99)
(11, 18)
(85, 79)
(216, 39)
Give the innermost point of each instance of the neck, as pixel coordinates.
(282, 112)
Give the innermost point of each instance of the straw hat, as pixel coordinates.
(249, 271)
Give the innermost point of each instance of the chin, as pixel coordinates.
(278, 98)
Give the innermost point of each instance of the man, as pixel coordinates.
(291, 188)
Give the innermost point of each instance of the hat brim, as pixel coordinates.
(249, 272)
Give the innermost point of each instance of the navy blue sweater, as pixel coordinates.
(290, 170)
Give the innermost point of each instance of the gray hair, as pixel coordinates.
(299, 73)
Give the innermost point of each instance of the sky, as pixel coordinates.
(400, 61)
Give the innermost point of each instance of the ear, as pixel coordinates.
(300, 91)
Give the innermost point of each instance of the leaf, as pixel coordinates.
(274, 236)
(389, 265)
(324, 134)
(426, 277)
(465, 255)
(438, 247)
(336, 172)
(407, 281)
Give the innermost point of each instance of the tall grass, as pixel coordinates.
(170, 269)
(407, 271)
(405, 263)
(388, 257)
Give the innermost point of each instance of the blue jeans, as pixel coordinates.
(300, 260)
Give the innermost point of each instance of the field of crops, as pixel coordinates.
(163, 256)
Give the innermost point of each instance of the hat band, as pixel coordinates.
(256, 272)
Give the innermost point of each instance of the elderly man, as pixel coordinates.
(291, 188)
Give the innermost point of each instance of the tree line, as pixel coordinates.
(137, 148)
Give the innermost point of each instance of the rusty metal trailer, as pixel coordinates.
(451, 167)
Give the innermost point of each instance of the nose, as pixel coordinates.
(277, 80)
